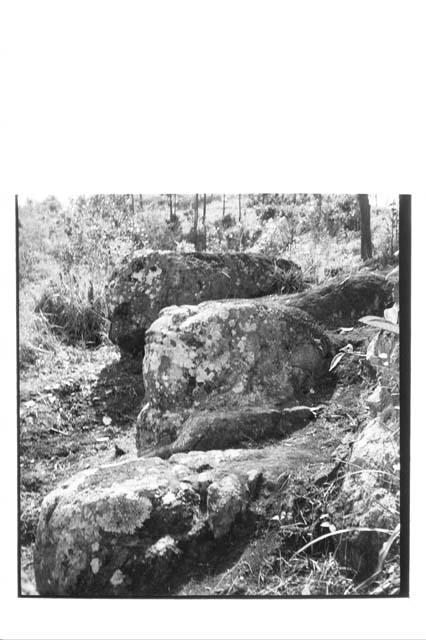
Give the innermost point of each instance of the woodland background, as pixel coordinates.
(68, 247)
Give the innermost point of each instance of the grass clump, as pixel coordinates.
(36, 337)
(75, 309)
(291, 281)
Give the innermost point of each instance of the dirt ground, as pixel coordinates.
(74, 415)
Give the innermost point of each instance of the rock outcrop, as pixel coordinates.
(239, 357)
(219, 374)
(369, 497)
(137, 527)
(148, 281)
(226, 356)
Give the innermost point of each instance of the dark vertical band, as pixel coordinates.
(405, 373)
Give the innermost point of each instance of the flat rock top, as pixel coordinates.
(310, 447)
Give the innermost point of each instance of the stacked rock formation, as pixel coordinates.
(221, 373)
(148, 281)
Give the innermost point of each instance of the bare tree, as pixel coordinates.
(223, 205)
(175, 204)
(18, 222)
(239, 207)
(133, 206)
(318, 197)
(169, 195)
(366, 244)
(195, 232)
(318, 214)
(204, 222)
(141, 201)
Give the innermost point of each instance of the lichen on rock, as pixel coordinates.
(181, 507)
(229, 356)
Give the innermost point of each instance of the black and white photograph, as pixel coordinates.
(210, 395)
(212, 342)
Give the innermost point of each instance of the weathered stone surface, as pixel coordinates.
(343, 302)
(131, 528)
(378, 400)
(224, 429)
(370, 494)
(151, 280)
(227, 498)
(226, 356)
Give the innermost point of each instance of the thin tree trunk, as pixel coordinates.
(204, 222)
(365, 224)
(175, 204)
(196, 222)
(318, 218)
(239, 207)
(223, 205)
(170, 206)
(141, 201)
(133, 206)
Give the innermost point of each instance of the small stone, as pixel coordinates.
(226, 499)
(253, 478)
(169, 499)
(163, 547)
(378, 400)
(117, 578)
(95, 564)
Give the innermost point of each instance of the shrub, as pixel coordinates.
(292, 281)
(274, 238)
(157, 233)
(323, 257)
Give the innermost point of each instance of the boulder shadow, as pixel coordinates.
(119, 391)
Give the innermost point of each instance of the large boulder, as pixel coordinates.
(210, 367)
(140, 526)
(344, 302)
(148, 281)
(233, 358)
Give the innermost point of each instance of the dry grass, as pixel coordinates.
(324, 258)
(75, 309)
